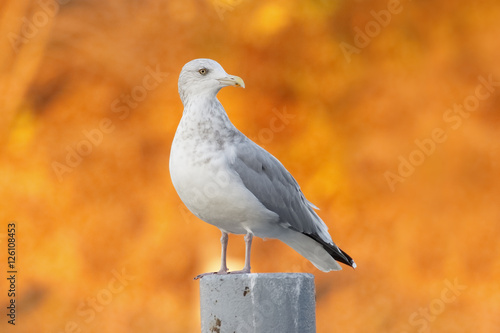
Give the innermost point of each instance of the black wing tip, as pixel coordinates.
(336, 252)
(349, 259)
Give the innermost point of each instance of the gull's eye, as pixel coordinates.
(203, 71)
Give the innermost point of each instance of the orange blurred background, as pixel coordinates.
(392, 130)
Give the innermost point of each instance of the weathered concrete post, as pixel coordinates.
(267, 303)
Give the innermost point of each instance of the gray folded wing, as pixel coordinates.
(277, 190)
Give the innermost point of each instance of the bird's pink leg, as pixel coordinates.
(223, 243)
(223, 266)
(248, 246)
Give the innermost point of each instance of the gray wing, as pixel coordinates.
(277, 190)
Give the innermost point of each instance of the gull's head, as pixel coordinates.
(204, 77)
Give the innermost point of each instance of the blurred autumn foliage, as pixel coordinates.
(391, 130)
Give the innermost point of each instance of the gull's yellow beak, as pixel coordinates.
(232, 80)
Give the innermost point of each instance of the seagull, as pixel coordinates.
(230, 182)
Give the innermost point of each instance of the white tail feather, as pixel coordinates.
(310, 249)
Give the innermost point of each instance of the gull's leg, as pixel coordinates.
(223, 243)
(223, 267)
(248, 246)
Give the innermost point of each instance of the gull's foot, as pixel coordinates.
(221, 272)
(243, 271)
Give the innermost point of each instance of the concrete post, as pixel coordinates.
(258, 303)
